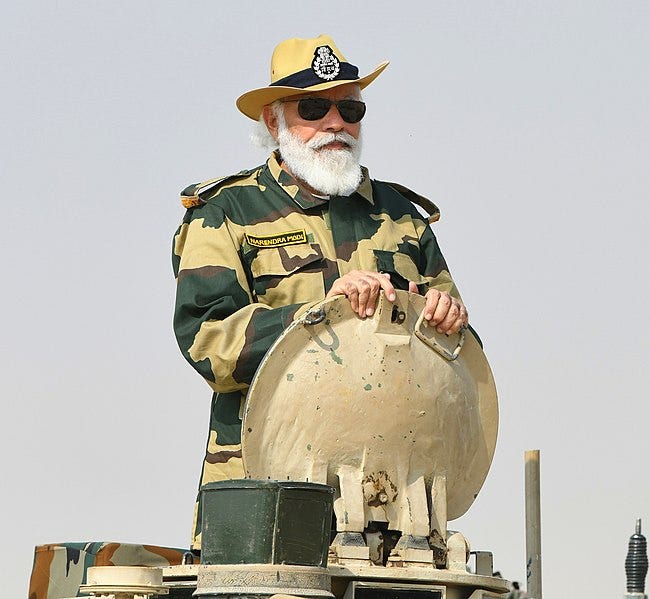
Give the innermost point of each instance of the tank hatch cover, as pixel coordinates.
(379, 408)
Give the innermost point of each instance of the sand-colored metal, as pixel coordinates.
(533, 525)
(458, 584)
(262, 580)
(376, 411)
(271, 579)
(122, 582)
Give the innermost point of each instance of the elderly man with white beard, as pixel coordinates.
(258, 249)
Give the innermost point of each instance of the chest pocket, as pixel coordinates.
(401, 268)
(286, 274)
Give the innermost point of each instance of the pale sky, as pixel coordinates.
(527, 123)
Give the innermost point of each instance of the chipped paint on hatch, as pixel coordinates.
(336, 358)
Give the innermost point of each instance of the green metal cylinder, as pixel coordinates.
(266, 522)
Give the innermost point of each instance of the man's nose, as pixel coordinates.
(332, 121)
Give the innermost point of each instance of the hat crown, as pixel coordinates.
(295, 55)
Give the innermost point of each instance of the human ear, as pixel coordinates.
(271, 121)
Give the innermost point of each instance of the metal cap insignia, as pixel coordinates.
(325, 64)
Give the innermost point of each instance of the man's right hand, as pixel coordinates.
(362, 288)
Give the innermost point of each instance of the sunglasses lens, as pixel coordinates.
(313, 109)
(351, 111)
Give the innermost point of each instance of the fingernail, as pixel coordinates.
(369, 312)
(391, 297)
(428, 315)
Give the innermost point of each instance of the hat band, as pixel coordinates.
(307, 78)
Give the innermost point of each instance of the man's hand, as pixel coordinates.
(362, 288)
(442, 310)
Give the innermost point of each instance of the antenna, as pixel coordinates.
(636, 563)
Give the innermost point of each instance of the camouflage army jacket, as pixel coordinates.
(255, 251)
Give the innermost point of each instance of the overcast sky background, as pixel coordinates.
(528, 123)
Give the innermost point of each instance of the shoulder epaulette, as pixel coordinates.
(427, 205)
(194, 195)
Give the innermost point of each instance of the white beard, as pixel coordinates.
(328, 171)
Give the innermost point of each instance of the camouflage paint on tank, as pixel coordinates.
(60, 568)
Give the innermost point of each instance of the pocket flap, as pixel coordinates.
(398, 263)
(284, 260)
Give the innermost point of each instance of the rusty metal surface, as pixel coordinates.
(371, 409)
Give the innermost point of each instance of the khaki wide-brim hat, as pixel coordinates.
(303, 65)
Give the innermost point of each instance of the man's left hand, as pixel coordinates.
(442, 311)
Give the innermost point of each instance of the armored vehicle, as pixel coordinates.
(362, 439)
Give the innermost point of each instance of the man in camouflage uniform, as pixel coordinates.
(256, 250)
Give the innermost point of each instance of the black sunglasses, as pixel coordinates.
(314, 109)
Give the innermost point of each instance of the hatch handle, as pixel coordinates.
(434, 345)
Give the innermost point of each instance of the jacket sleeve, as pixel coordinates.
(436, 271)
(220, 330)
(433, 265)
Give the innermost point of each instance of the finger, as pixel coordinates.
(375, 286)
(447, 323)
(461, 321)
(339, 287)
(352, 293)
(365, 296)
(432, 296)
(455, 327)
(413, 288)
(440, 313)
(370, 284)
(362, 290)
(385, 284)
(358, 291)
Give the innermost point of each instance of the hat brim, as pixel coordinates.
(252, 102)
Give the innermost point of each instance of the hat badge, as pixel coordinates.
(325, 64)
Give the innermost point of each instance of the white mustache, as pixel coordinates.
(328, 138)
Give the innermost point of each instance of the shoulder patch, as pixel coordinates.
(198, 193)
(427, 205)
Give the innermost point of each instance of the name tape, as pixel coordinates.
(270, 241)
